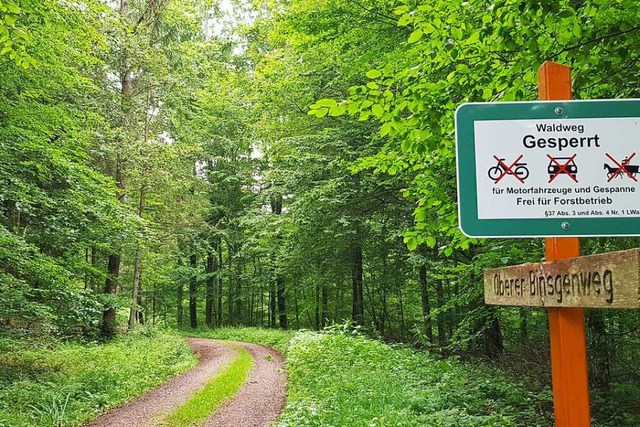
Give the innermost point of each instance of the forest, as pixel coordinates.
(284, 164)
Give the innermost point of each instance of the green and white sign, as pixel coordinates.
(549, 168)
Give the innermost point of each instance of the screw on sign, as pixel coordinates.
(629, 170)
(500, 170)
(568, 168)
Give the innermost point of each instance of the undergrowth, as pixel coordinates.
(67, 384)
(338, 379)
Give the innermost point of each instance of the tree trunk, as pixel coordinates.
(230, 284)
(113, 264)
(272, 305)
(94, 264)
(282, 310)
(140, 313)
(385, 310)
(442, 333)
(180, 300)
(111, 288)
(493, 335)
(523, 313)
(296, 306)
(357, 311)
(87, 276)
(238, 290)
(426, 307)
(401, 310)
(220, 282)
(325, 306)
(137, 268)
(193, 293)
(135, 295)
(599, 352)
(276, 209)
(208, 310)
(372, 304)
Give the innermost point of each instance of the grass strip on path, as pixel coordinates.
(215, 392)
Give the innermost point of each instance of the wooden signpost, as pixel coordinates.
(566, 325)
(607, 280)
(531, 169)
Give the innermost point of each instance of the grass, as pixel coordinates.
(67, 384)
(339, 379)
(215, 392)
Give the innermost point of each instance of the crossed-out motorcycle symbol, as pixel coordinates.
(500, 170)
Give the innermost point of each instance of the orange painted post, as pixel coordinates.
(566, 325)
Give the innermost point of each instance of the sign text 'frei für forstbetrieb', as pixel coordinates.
(569, 168)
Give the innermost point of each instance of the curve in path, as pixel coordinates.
(161, 402)
(261, 398)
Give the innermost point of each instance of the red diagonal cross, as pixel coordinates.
(507, 169)
(622, 167)
(562, 168)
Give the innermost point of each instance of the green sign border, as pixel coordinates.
(469, 222)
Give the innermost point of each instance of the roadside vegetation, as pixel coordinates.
(275, 338)
(341, 379)
(66, 384)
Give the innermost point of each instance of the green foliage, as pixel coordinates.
(275, 338)
(13, 35)
(68, 384)
(215, 392)
(338, 379)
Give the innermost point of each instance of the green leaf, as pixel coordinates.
(13, 8)
(11, 20)
(430, 241)
(577, 29)
(428, 29)
(377, 110)
(373, 74)
(415, 36)
(326, 102)
(338, 110)
(385, 129)
(318, 112)
(411, 243)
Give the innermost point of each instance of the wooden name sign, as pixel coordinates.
(610, 280)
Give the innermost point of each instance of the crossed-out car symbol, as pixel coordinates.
(570, 168)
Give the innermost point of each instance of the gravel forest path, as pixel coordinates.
(258, 402)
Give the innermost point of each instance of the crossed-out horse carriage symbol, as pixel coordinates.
(625, 170)
(621, 169)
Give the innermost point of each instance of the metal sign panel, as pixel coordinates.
(549, 168)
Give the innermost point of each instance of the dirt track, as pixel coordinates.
(261, 398)
(258, 402)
